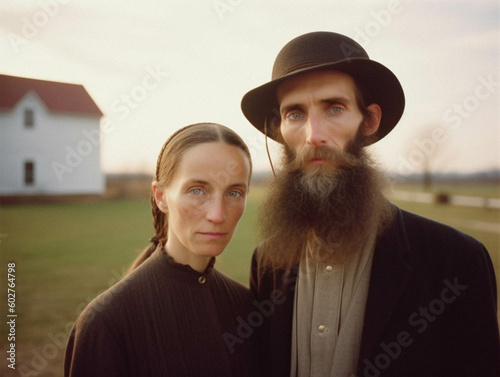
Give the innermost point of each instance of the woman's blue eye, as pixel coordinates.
(196, 191)
(235, 194)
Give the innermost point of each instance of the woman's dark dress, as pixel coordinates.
(165, 319)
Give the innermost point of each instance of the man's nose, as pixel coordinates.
(315, 131)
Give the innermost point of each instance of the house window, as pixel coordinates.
(29, 173)
(29, 118)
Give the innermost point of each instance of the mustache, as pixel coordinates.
(331, 156)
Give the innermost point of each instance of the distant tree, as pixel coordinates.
(424, 150)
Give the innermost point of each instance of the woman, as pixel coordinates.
(174, 314)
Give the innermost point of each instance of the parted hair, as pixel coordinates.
(166, 166)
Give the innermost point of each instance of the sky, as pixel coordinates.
(155, 66)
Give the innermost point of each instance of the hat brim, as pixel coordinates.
(378, 82)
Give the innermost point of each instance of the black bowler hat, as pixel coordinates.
(319, 50)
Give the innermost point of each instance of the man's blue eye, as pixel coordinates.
(295, 116)
(335, 110)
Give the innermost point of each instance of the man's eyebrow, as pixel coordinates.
(333, 100)
(328, 101)
(285, 109)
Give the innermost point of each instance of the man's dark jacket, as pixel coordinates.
(430, 311)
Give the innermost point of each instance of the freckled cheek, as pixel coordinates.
(190, 209)
(191, 212)
(237, 213)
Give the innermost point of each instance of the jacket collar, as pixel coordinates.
(389, 277)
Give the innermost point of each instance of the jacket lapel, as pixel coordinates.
(389, 277)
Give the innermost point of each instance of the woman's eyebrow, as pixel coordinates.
(202, 182)
(195, 181)
(238, 185)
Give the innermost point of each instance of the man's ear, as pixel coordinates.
(372, 122)
(275, 129)
(273, 125)
(159, 197)
(277, 133)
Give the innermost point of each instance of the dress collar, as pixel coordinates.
(184, 271)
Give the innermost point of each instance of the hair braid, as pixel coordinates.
(160, 221)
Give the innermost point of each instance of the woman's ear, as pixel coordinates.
(372, 122)
(159, 197)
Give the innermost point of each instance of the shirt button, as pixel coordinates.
(329, 268)
(202, 280)
(322, 328)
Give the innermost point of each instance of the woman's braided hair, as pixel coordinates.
(166, 165)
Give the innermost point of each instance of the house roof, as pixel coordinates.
(57, 96)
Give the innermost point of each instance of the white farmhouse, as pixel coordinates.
(49, 139)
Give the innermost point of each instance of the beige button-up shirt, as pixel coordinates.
(328, 314)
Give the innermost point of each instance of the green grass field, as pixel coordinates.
(66, 254)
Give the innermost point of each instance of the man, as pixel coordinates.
(357, 286)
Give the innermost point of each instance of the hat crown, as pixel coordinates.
(314, 49)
